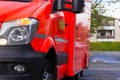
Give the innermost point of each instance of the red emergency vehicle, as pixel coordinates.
(44, 39)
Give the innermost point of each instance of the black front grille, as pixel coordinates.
(4, 69)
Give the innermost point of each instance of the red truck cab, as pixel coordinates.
(44, 39)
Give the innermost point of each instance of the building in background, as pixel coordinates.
(107, 32)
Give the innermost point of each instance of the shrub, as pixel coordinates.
(105, 46)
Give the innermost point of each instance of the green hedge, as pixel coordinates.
(105, 46)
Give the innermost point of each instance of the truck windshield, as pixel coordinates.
(18, 0)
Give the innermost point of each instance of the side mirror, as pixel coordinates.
(75, 6)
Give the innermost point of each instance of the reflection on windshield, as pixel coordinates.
(18, 0)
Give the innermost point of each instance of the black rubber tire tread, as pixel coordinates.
(48, 68)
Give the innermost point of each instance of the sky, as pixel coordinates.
(113, 9)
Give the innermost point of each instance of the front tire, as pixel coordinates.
(47, 71)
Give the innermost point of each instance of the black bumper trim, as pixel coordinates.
(24, 54)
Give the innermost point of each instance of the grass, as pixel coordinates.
(105, 46)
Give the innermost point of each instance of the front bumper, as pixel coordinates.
(20, 55)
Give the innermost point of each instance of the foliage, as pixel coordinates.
(97, 18)
(97, 10)
(105, 46)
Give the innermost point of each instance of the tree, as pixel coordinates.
(97, 14)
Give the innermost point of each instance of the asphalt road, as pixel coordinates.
(103, 66)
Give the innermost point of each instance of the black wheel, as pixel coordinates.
(47, 71)
(78, 75)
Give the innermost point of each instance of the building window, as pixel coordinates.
(105, 34)
(102, 34)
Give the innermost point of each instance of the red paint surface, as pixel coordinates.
(62, 31)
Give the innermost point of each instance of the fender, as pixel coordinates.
(47, 44)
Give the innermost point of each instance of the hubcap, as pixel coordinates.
(47, 76)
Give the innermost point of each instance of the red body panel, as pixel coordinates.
(65, 31)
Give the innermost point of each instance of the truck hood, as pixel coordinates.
(10, 10)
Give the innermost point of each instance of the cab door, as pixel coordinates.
(60, 31)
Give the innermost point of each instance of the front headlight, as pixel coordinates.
(18, 32)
